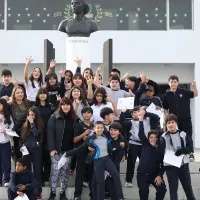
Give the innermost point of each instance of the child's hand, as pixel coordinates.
(21, 194)
(21, 188)
(124, 110)
(91, 149)
(4, 131)
(30, 119)
(158, 180)
(122, 144)
(123, 159)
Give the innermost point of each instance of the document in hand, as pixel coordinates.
(24, 151)
(171, 159)
(24, 197)
(11, 133)
(152, 109)
(125, 103)
(63, 161)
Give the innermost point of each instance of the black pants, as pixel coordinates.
(80, 172)
(175, 174)
(134, 151)
(17, 152)
(110, 187)
(5, 162)
(144, 181)
(100, 165)
(185, 125)
(12, 195)
(73, 163)
(46, 164)
(35, 159)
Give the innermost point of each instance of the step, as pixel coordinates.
(129, 193)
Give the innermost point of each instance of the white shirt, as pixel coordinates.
(97, 109)
(4, 138)
(32, 92)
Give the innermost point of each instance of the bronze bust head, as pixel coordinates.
(78, 25)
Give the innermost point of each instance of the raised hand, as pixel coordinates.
(89, 80)
(78, 62)
(194, 83)
(29, 60)
(16, 83)
(142, 77)
(52, 63)
(99, 69)
(62, 73)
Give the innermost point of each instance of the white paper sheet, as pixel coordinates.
(125, 103)
(22, 198)
(2, 138)
(171, 159)
(152, 109)
(11, 133)
(63, 161)
(24, 151)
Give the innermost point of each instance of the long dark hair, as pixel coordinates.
(91, 72)
(67, 101)
(82, 97)
(26, 129)
(40, 80)
(42, 90)
(70, 72)
(5, 111)
(102, 91)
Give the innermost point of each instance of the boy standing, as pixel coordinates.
(177, 101)
(81, 132)
(107, 114)
(22, 182)
(100, 141)
(150, 169)
(179, 142)
(7, 87)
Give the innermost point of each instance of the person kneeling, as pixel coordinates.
(150, 169)
(22, 182)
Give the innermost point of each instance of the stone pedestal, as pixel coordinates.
(77, 47)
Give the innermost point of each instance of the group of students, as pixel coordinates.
(78, 117)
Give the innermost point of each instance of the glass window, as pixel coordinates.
(2, 14)
(180, 12)
(110, 14)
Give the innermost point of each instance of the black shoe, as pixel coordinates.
(63, 196)
(52, 196)
(77, 198)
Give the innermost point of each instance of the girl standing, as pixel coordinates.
(32, 139)
(46, 110)
(60, 134)
(34, 82)
(5, 147)
(19, 110)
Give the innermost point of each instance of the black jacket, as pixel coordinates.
(24, 178)
(151, 160)
(55, 131)
(6, 90)
(90, 142)
(178, 103)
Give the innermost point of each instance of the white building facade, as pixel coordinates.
(158, 37)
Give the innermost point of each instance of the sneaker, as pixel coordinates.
(39, 197)
(63, 196)
(128, 184)
(77, 198)
(192, 158)
(85, 184)
(52, 196)
(6, 184)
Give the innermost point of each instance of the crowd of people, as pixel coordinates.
(78, 118)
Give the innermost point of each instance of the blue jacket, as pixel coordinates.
(89, 142)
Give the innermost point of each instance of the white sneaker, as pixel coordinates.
(128, 184)
(85, 184)
(6, 184)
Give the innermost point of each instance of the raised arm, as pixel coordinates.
(96, 78)
(28, 62)
(141, 134)
(195, 88)
(52, 65)
(109, 99)
(90, 94)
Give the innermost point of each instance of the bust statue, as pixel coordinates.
(78, 25)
